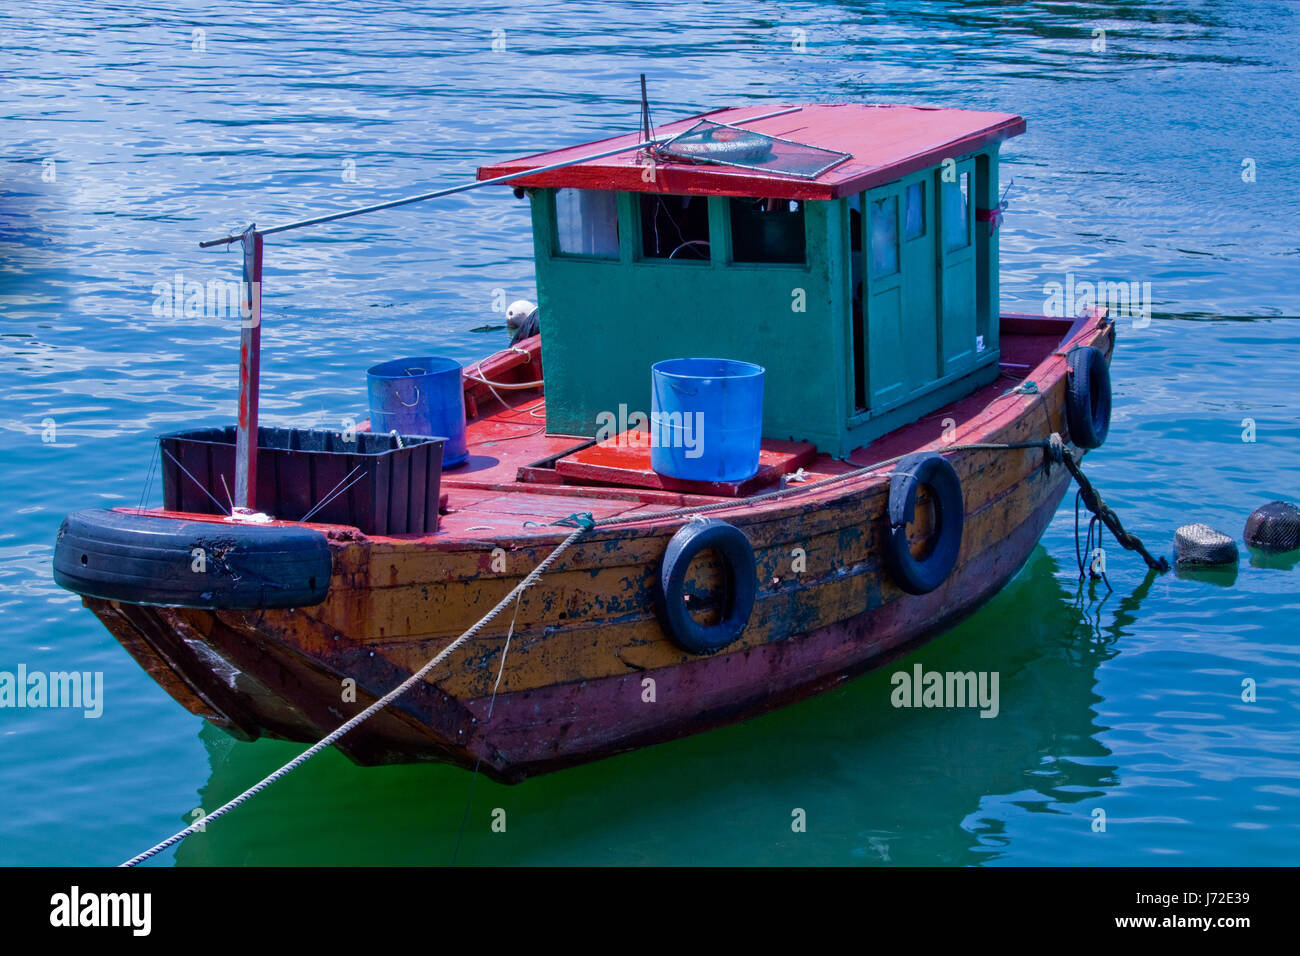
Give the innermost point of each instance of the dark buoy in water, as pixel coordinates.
(1274, 527)
(1199, 545)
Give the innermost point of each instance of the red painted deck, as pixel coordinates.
(884, 142)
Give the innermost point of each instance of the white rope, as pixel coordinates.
(370, 711)
(698, 511)
(492, 702)
(506, 386)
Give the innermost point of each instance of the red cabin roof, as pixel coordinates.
(885, 142)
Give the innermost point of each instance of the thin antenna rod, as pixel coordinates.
(473, 184)
(645, 111)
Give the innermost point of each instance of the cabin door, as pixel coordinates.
(901, 306)
(957, 325)
(920, 297)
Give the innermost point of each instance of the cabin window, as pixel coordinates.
(956, 214)
(586, 223)
(674, 227)
(767, 230)
(914, 212)
(884, 236)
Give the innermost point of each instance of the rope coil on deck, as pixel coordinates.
(584, 522)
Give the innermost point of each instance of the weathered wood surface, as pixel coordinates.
(587, 634)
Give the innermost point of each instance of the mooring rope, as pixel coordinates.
(1054, 445)
(1086, 548)
(575, 520)
(584, 522)
(369, 712)
(1102, 512)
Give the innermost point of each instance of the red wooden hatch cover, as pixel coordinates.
(625, 460)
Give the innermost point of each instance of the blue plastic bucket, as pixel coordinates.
(706, 418)
(420, 396)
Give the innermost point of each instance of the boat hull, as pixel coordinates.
(587, 670)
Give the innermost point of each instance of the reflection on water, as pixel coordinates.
(1165, 156)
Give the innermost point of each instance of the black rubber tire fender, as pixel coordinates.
(151, 560)
(922, 575)
(740, 568)
(1087, 396)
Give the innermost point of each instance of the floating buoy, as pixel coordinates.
(1201, 545)
(1274, 527)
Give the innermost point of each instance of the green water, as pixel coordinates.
(1131, 171)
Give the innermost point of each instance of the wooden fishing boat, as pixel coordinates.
(868, 290)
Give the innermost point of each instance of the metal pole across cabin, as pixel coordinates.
(250, 350)
(475, 184)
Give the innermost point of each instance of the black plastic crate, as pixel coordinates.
(389, 489)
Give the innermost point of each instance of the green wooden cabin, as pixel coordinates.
(870, 293)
